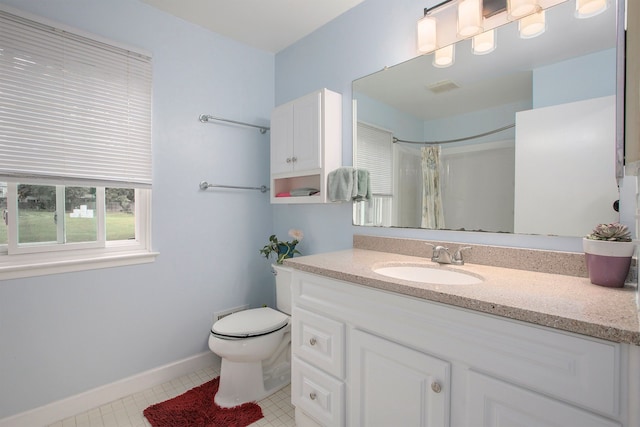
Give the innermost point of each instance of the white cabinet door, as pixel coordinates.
(493, 403)
(307, 135)
(296, 136)
(282, 138)
(393, 385)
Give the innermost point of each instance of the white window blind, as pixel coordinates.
(72, 109)
(374, 153)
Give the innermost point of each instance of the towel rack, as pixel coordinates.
(204, 185)
(205, 118)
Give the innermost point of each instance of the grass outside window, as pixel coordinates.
(39, 226)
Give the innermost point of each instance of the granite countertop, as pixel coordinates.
(567, 303)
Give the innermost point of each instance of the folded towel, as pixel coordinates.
(346, 184)
(284, 194)
(304, 191)
(363, 191)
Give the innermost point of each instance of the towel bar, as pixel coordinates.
(204, 185)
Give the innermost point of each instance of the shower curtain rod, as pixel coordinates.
(205, 118)
(204, 185)
(395, 140)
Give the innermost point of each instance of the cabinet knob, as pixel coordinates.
(312, 395)
(436, 387)
(312, 341)
(288, 159)
(294, 159)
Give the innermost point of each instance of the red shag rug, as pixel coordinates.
(196, 408)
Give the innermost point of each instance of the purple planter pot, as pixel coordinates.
(608, 262)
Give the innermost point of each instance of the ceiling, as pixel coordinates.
(270, 25)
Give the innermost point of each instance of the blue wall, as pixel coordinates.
(576, 79)
(63, 334)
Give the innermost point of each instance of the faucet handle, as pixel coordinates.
(433, 249)
(441, 255)
(457, 256)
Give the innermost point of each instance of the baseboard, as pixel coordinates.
(61, 409)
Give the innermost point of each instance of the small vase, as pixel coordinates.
(285, 251)
(608, 262)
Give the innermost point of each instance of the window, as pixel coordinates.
(374, 148)
(75, 149)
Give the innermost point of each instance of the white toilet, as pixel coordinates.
(255, 347)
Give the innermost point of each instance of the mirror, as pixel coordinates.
(550, 166)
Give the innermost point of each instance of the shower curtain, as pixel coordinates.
(432, 213)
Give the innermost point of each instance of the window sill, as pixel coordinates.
(21, 266)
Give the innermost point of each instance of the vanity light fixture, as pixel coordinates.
(484, 43)
(532, 25)
(519, 8)
(469, 17)
(444, 56)
(473, 16)
(589, 8)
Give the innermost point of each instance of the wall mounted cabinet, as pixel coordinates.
(364, 357)
(306, 144)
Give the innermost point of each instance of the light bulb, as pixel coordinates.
(589, 8)
(427, 41)
(519, 8)
(444, 57)
(484, 43)
(469, 17)
(532, 25)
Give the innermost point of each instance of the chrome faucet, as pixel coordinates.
(441, 255)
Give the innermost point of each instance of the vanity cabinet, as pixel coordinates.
(306, 136)
(366, 357)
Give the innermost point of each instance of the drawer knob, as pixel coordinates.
(312, 341)
(436, 387)
(288, 159)
(312, 395)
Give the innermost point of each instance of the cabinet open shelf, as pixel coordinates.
(306, 145)
(285, 184)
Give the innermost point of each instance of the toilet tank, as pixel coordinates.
(283, 287)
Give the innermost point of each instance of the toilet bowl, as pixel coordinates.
(255, 348)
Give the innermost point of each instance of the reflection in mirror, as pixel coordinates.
(533, 125)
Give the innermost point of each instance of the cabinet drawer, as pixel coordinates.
(317, 393)
(493, 403)
(318, 340)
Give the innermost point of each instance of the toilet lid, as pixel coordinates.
(249, 323)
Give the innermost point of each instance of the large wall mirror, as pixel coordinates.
(519, 140)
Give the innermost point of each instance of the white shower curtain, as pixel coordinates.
(432, 213)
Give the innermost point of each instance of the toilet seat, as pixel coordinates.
(250, 323)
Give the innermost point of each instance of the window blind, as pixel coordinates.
(73, 110)
(375, 153)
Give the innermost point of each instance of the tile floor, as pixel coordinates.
(127, 412)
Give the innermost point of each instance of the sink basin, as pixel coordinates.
(424, 274)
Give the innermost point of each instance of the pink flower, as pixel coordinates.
(296, 234)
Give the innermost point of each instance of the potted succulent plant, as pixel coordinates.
(608, 251)
(282, 249)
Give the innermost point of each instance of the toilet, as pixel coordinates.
(255, 347)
